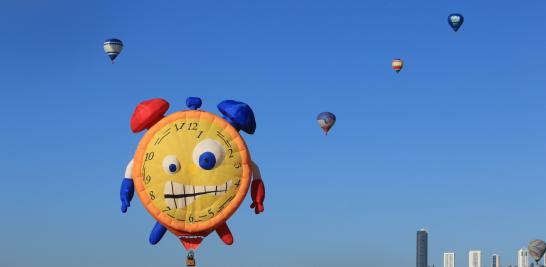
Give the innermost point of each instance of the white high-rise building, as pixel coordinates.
(449, 259)
(523, 258)
(495, 260)
(474, 258)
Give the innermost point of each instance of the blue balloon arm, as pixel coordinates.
(126, 193)
(157, 233)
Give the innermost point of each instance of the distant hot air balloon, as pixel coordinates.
(455, 20)
(397, 65)
(326, 120)
(113, 48)
(536, 249)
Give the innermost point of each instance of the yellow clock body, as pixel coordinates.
(171, 182)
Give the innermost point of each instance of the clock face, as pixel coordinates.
(191, 170)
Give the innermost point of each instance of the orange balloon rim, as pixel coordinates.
(221, 217)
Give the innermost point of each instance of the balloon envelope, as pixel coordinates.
(326, 120)
(536, 249)
(397, 65)
(455, 20)
(113, 48)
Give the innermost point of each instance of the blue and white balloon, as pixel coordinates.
(113, 48)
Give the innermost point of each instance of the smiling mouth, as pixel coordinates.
(180, 196)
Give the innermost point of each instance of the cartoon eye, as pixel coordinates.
(171, 164)
(208, 154)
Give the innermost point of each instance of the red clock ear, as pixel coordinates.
(148, 113)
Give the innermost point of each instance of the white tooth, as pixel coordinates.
(221, 188)
(189, 200)
(210, 188)
(189, 190)
(199, 189)
(168, 190)
(170, 203)
(179, 190)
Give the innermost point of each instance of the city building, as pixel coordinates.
(449, 259)
(475, 258)
(495, 260)
(523, 258)
(422, 247)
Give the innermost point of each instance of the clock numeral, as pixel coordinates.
(230, 152)
(190, 219)
(237, 183)
(211, 213)
(167, 209)
(193, 126)
(147, 179)
(152, 196)
(237, 165)
(200, 133)
(149, 156)
(179, 128)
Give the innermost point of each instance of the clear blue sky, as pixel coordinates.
(456, 143)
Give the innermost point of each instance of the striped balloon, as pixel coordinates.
(397, 65)
(536, 249)
(113, 48)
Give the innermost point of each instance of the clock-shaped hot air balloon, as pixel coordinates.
(192, 169)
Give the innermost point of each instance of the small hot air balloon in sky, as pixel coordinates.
(326, 120)
(536, 249)
(397, 65)
(113, 48)
(455, 20)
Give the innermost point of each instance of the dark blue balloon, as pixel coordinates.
(455, 20)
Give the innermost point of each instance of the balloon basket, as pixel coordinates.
(190, 260)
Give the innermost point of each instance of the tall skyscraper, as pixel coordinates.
(475, 258)
(495, 261)
(422, 247)
(523, 258)
(449, 259)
